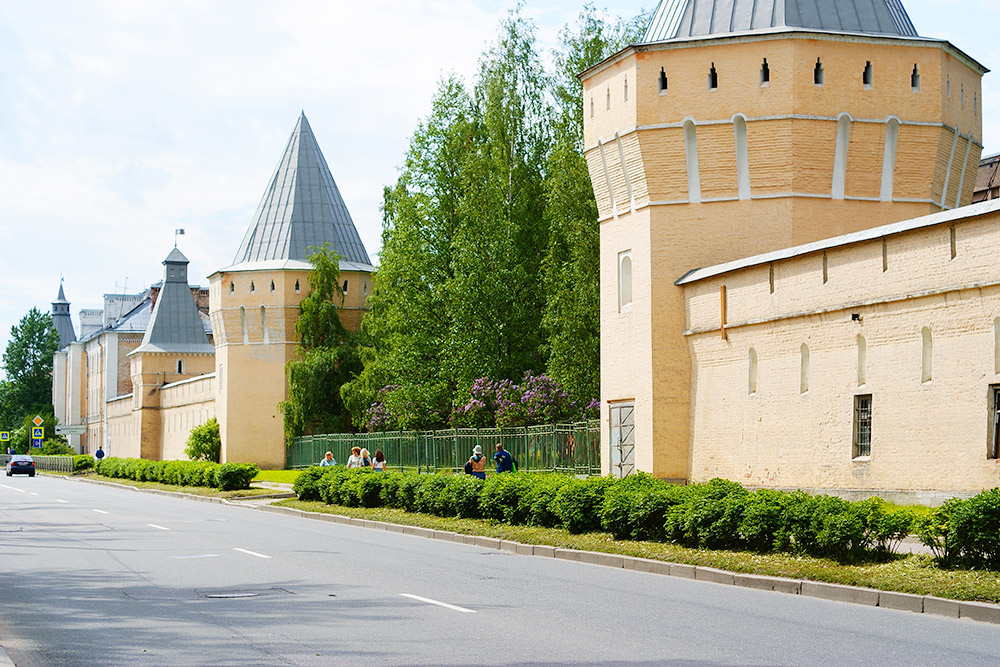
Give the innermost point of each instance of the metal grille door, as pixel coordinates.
(622, 440)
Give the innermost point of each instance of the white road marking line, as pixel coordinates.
(33, 493)
(198, 556)
(13, 488)
(440, 604)
(62, 501)
(252, 553)
(153, 525)
(100, 511)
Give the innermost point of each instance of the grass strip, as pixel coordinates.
(915, 574)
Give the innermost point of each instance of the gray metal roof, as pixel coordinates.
(61, 319)
(175, 325)
(684, 19)
(301, 208)
(953, 215)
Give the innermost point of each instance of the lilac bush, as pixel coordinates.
(538, 399)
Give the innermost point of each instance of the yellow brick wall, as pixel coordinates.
(926, 436)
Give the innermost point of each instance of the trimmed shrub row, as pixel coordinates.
(83, 462)
(225, 477)
(965, 533)
(718, 514)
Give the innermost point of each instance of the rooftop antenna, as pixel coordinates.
(177, 232)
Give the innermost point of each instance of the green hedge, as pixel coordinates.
(718, 514)
(83, 462)
(965, 533)
(225, 477)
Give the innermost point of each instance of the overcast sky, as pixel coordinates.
(123, 120)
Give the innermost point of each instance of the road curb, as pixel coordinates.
(920, 604)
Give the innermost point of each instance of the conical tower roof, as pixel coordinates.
(61, 319)
(175, 325)
(301, 209)
(684, 19)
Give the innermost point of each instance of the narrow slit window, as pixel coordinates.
(927, 355)
(862, 359)
(272, 285)
(232, 287)
(713, 78)
(345, 287)
(826, 268)
(296, 286)
(961, 95)
(263, 325)
(915, 79)
(765, 73)
(818, 73)
(803, 369)
(608, 105)
(626, 89)
(180, 366)
(953, 241)
(947, 86)
(591, 107)
(885, 255)
(251, 287)
(770, 276)
(663, 82)
(866, 76)
(752, 372)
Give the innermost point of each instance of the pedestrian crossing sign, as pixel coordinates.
(4, 436)
(37, 432)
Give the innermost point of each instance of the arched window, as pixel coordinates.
(803, 368)
(296, 286)
(742, 156)
(840, 155)
(263, 324)
(889, 158)
(752, 372)
(862, 359)
(624, 280)
(662, 82)
(928, 355)
(691, 157)
(713, 78)
(180, 365)
(818, 73)
(765, 73)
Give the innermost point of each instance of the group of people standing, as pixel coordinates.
(476, 466)
(359, 458)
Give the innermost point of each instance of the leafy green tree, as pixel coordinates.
(405, 333)
(27, 363)
(20, 438)
(327, 357)
(204, 442)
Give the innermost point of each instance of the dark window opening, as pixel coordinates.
(818, 73)
(663, 81)
(272, 285)
(296, 286)
(993, 451)
(251, 287)
(231, 287)
(866, 76)
(915, 78)
(345, 287)
(863, 425)
(765, 72)
(713, 78)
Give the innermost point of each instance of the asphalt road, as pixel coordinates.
(94, 575)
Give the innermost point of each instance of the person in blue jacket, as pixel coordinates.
(505, 462)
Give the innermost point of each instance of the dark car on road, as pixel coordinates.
(21, 464)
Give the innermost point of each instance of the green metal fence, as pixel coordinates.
(43, 463)
(571, 448)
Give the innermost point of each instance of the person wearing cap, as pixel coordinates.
(328, 460)
(478, 462)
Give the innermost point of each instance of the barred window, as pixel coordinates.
(862, 425)
(993, 449)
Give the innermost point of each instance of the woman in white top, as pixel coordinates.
(379, 463)
(354, 460)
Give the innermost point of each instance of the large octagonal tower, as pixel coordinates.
(254, 303)
(739, 127)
